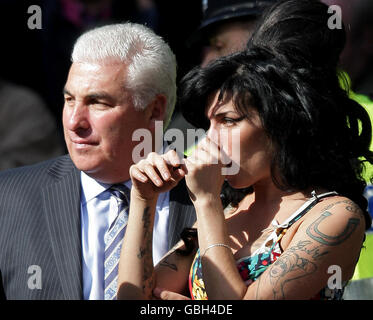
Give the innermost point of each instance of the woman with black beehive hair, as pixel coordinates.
(302, 145)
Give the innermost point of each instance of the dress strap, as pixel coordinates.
(307, 206)
(280, 229)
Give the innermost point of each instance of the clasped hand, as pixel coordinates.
(160, 173)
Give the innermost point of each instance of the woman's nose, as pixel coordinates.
(213, 134)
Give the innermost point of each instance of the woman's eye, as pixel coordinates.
(230, 121)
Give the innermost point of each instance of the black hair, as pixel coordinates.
(289, 74)
(299, 31)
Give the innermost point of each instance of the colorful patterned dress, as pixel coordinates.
(250, 268)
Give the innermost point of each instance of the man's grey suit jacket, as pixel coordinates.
(40, 232)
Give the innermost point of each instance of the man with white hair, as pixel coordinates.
(62, 221)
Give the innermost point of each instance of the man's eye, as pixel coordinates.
(99, 103)
(218, 46)
(69, 100)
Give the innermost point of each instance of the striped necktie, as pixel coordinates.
(113, 240)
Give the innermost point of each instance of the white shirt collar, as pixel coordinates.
(92, 188)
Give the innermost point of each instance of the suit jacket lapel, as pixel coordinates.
(182, 213)
(61, 199)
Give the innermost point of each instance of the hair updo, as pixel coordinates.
(298, 31)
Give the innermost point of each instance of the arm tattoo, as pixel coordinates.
(145, 253)
(147, 240)
(314, 233)
(289, 265)
(350, 206)
(314, 252)
(294, 265)
(167, 264)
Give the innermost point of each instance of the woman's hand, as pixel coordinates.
(163, 294)
(204, 171)
(156, 174)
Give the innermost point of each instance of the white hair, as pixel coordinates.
(150, 61)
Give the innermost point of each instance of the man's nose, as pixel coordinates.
(78, 117)
(208, 55)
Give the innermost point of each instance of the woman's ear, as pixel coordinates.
(157, 109)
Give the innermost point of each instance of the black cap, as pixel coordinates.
(215, 11)
(218, 10)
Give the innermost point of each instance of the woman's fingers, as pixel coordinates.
(159, 169)
(208, 152)
(168, 295)
(173, 159)
(159, 162)
(177, 164)
(137, 174)
(152, 174)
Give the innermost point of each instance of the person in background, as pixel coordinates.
(65, 218)
(225, 28)
(357, 16)
(301, 145)
(28, 133)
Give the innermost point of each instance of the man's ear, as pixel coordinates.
(157, 109)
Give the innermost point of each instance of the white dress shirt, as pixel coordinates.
(98, 209)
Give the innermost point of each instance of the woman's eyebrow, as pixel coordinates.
(218, 113)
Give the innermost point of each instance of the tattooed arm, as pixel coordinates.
(331, 237)
(137, 277)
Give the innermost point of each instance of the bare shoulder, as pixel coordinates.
(334, 222)
(341, 204)
(337, 225)
(330, 234)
